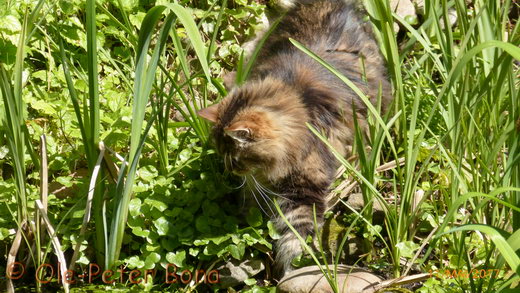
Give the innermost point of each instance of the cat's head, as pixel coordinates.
(256, 127)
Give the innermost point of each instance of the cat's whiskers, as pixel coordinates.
(267, 199)
(267, 190)
(265, 193)
(228, 162)
(241, 185)
(256, 199)
(225, 162)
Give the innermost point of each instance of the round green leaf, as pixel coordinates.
(162, 225)
(134, 207)
(178, 259)
(151, 260)
(254, 217)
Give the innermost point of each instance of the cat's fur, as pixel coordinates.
(260, 128)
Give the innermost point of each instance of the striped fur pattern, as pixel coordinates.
(260, 127)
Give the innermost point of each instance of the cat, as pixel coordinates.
(260, 127)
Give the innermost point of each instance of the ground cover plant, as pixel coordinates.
(105, 163)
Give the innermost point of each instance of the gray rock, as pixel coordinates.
(236, 272)
(310, 279)
(332, 235)
(355, 247)
(355, 200)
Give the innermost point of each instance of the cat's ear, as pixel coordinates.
(209, 113)
(238, 132)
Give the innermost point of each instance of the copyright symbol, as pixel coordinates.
(15, 270)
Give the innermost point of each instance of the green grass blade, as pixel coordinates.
(212, 47)
(243, 73)
(91, 121)
(457, 70)
(193, 34)
(514, 242)
(459, 201)
(145, 76)
(141, 86)
(74, 99)
(12, 126)
(500, 242)
(93, 83)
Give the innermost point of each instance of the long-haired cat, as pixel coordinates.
(260, 127)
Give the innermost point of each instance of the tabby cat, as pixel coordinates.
(260, 127)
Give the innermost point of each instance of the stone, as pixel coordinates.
(332, 235)
(310, 279)
(355, 201)
(235, 272)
